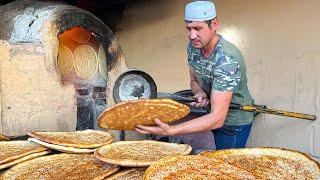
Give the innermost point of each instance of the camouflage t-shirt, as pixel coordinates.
(224, 70)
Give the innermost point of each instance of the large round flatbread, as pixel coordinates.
(194, 167)
(102, 62)
(12, 150)
(61, 148)
(61, 166)
(85, 61)
(270, 163)
(78, 34)
(78, 139)
(65, 60)
(126, 115)
(25, 158)
(128, 174)
(4, 138)
(139, 153)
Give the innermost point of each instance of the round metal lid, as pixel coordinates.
(134, 84)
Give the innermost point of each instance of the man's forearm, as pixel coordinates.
(219, 108)
(203, 123)
(194, 85)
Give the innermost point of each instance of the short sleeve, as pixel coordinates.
(226, 74)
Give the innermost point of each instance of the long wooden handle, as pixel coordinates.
(253, 108)
(278, 112)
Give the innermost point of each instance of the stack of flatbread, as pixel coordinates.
(126, 115)
(61, 166)
(193, 167)
(139, 153)
(128, 174)
(14, 152)
(248, 163)
(270, 163)
(72, 142)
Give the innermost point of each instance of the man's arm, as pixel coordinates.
(195, 87)
(220, 102)
(199, 93)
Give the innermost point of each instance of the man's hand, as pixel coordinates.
(161, 128)
(202, 99)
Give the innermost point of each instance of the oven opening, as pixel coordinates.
(82, 62)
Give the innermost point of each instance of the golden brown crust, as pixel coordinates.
(270, 162)
(77, 139)
(128, 174)
(126, 115)
(248, 163)
(12, 150)
(4, 138)
(139, 153)
(25, 158)
(85, 61)
(194, 167)
(61, 166)
(65, 60)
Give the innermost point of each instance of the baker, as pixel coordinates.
(217, 78)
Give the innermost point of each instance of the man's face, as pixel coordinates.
(200, 34)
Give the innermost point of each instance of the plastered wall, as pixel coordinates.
(280, 43)
(32, 97)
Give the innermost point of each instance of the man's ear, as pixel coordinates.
(215, 24)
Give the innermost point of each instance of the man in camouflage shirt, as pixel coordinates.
(217, 77)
